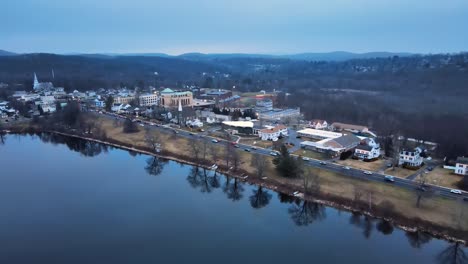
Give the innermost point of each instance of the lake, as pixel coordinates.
(65, 200)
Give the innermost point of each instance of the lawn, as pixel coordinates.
(256, 142)
(363, 165)
(311, 154)
(442, 177)
(399, 172)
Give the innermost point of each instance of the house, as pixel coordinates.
(461, 166)
(194, 123)
(367, 149)
(411, 158)
(273, 133)
(318, 124)
(99, 103)
(149, 99)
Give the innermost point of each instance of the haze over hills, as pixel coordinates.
(308, 56)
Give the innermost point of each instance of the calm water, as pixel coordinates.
(78, 202)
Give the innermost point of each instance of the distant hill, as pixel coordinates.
(6, 53)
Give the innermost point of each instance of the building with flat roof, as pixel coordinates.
(273, 133)
(149, 99)
(277, 114)
(244, 127)
(318, 134)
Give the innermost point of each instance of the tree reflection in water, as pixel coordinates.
(154, 165)
(199, 178)
(234, 189)
(85, 147)
(363, 222)
(385, 227)
(260, 198)
(453, 254)
(306, 213)
(417, 238)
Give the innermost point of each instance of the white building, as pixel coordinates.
(264, 105)
(318, 134)
(37, 86)
(368, 149)
(318, 124)
(149, 99)
(277, 114)
(411, 158)
(461, 166)
(273, 133)
(123, 99)
(194, 123)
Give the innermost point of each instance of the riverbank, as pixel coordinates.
(370, 202)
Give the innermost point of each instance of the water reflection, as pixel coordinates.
(363, 222)
(260, 198)
(417, 239)
(453, 254)
(233, 189)
(84, 147)
(385, 227)
(154, 165)
(306, 213)
(199, 178)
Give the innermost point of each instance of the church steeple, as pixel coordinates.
(36, 82)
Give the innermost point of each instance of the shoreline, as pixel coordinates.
(340, 203)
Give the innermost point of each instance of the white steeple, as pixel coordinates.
(36, 82)
(180, 107)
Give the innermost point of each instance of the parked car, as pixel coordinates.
(465, 199)
(272, 153)
(455, 191)
(389, 165)
(367, 172)
(254, 147)
(214, 141)
(236, 146)
(421, 188)
(246, 149)
(389, 178)
(323, 163)
(430, 168)
(346, 168)
(305, 158)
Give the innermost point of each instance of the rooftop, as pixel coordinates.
(239, 123)
(320, 133)
(463, 160)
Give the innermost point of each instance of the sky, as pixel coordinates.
(233, 26)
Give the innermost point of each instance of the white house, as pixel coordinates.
(99, 103)
(318, 124)
(411, 158)
(194, 123)
(273, 133)
(461, 166)
(368, 149)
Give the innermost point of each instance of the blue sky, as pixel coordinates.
(220, 26)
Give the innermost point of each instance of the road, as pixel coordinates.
(330, 166)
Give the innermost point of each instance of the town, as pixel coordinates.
(252, 121)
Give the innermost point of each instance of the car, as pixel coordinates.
(272, 153)
(233, 143)
(298, 136)
(254, 147)
(175, 131)
(202, 130)
(236, 146)
(430, 168)
(305, 158)
(214, 141)
(367, 172)
(465, 199)
(455, 191)
(389, 165)
(346, 168)
(248, 150)
(323, 163)
(191, 133)
(389, 178)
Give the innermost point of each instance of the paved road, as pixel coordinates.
(330, 166)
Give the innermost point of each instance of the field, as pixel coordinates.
(442, 177)
(399, 172)
(311, 154)
(363, 165)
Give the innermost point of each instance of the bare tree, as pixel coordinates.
(259, 162)
(214, 152)
(204, 148)
(311, 182)
(260, 198)
(195, 147)
(227, 154)
(306, 213)
(154, 141)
